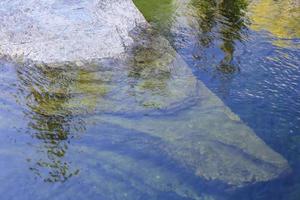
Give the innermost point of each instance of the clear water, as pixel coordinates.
(247, 53)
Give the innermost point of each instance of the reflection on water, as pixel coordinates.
(80, 128)
(52, 129)
(55, 102)
(247, 52)
(202, 143)
(54, 99)
(280, 18)
(224, 20)
(207, 21)
(113, 162)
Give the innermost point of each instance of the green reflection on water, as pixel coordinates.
(229, 18)
(54, 131)
(224, 20)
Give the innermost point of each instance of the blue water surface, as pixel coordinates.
(49, 152)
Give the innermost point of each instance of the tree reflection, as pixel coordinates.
(224, 20)
(54, 130)
(206, 14)
(233, 11)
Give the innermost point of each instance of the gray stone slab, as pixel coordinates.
(66, 30)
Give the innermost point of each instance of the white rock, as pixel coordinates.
(52, 31)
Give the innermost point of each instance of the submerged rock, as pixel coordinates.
(211, 141)
(82, 58)
(151, 79)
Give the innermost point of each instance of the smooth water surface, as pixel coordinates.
(67, 132)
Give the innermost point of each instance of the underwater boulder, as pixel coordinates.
(211, 141)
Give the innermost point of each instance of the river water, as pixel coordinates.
(247, 52)
(57, 142)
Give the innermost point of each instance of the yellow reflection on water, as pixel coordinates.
(281, 18)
